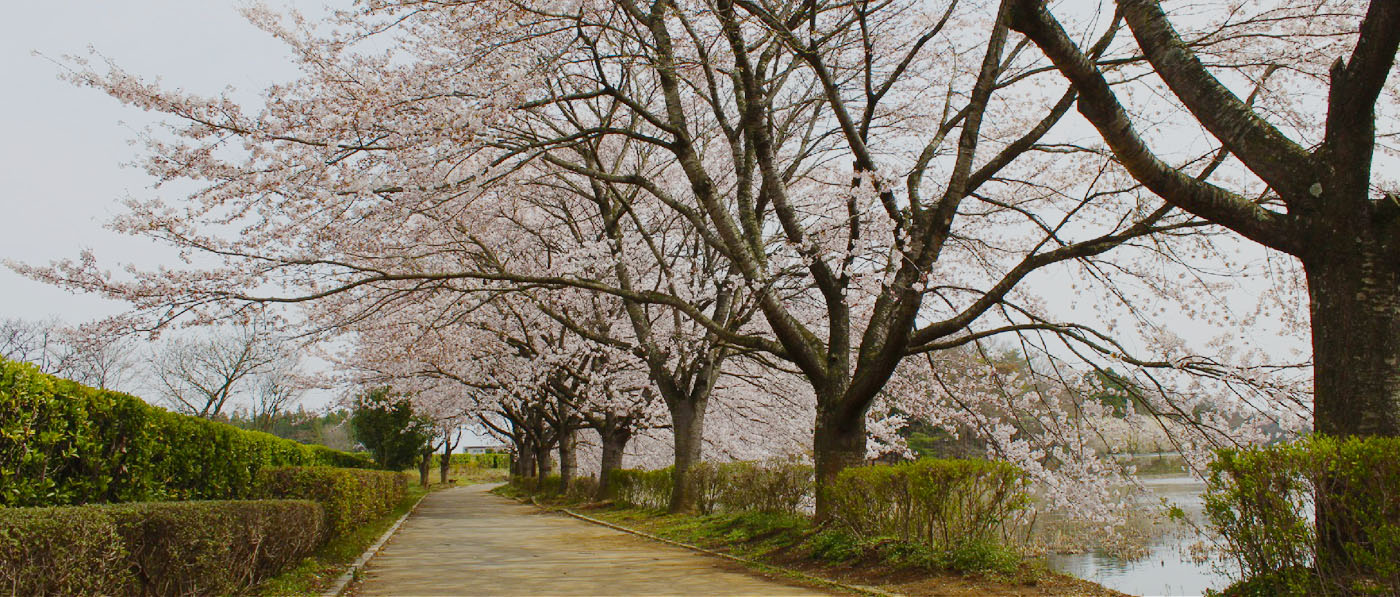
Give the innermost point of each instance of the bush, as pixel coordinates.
(942, 504)
(154, 548)
(1260, 502)
(780, 485)
(642, 489)
(60, 551)
(215, 548)
(64, 443)
(350, 497)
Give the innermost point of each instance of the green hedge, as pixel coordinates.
(1261, 502)
(350, 497)
(154, 548)
(640, 488)
(941, 504)
(780, 485)
(777, 486)
(474, 460)
(64, 443)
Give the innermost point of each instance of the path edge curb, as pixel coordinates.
(857, 589)
(344, 581)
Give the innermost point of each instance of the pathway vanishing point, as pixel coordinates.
(465, 541)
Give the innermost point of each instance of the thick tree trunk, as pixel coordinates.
(568, 458)
(688, 427)
(424, 465)
(445, 466)
(614, 445)
(837, 445)
(544, 464)
(524, 460)
(1355, 303)
(1354, 289)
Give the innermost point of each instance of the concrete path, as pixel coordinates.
(464, 541)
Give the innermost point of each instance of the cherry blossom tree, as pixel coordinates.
(777, 180)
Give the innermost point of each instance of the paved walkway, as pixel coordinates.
(464, 541)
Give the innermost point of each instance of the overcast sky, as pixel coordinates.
(63, 148)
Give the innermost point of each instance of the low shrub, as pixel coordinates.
(154, 548)
(641, 488)
(1261, 502)
(71, 550)
(216, 547)
(350, 497)
(779, 485)
(64, 443)
(942, 504)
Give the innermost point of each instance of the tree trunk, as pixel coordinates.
(615, 441)
(568, 458)
(424, 464)
(543, 462)
(688, 427)
(445, 466)
(524, 460)
(1355, 303)
(837, 445)
(1354, 290)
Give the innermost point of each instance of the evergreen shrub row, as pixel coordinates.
(642, 488)
(154, 548)
(1262, 503)
(778, 485)
(64, 443)
(350, 497)
(775, 486)
(490, 460)
(940, 504)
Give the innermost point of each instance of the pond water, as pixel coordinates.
(1167, 569)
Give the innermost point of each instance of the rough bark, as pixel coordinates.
(424, 465)
(544, 464)
(1355, 304)
(688, 427)
(445, 464)
(838, 444)
(524, 461)
(614, 445)
(568, 458)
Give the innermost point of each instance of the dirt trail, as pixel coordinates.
(464, 541)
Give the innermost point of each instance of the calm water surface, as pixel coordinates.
(1167, 569)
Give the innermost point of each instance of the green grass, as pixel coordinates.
(330, 561)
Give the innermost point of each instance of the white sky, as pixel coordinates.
(63, 147)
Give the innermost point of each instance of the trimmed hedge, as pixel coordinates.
(156, 548)
(64, 443)
(1261, 502)
(941, 504)
(73, 550)
(350, 497)
(490, 460)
